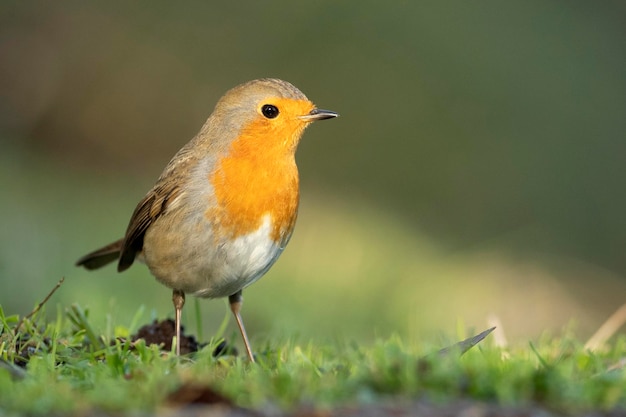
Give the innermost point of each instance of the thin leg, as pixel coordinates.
(235, 301)
(178, 298)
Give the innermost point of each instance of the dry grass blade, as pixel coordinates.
(15, 371)
(465, 345)
(608, 329)
(499, 337)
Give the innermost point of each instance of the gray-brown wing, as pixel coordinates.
(147, 211)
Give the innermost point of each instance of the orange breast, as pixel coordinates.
(257, 177)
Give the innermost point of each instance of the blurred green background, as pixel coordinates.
(477, 168)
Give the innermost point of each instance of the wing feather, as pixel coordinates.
(149, 209)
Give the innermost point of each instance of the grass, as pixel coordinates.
(67, 368)
(376, 293)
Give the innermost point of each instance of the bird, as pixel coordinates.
(225, 206)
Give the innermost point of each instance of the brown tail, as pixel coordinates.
(102, 256)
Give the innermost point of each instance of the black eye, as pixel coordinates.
(269, 111)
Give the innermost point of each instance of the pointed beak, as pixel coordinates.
(318, 114)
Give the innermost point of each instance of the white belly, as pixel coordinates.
(205, 269)
(246, 259)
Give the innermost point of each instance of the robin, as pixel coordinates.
(224, 208)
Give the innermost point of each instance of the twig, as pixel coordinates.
(39, 306)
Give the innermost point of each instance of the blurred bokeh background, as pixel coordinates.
(477, 167)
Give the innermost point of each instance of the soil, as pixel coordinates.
(162, 332)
